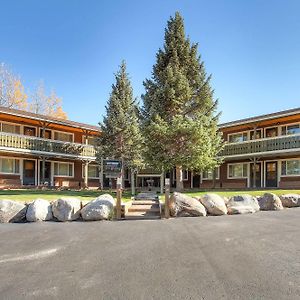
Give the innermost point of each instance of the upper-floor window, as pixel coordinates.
(290, 129)
(63, 169)
(91, 140)
(237, 137)
(239, 170)
(209, 174)
(290, 167)
(46, 134)
(63, 136)
(258, 134)
(9, 165)
(10, 128)
(271, 132)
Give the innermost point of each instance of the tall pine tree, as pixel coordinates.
(179, 110)
(121, 137)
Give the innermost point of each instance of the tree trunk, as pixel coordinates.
(179, 179)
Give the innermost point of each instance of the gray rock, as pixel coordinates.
(270, 201)
(214, 204)
(99, 209)
(39, 210)
(183, 205)
(12, 211)
(66, 209)
(290, 200)
(242, 204)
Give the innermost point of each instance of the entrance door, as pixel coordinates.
(257, 174)
(28, 172)
(271, 174)
(47, 179)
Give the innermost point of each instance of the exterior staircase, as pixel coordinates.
(144, 206)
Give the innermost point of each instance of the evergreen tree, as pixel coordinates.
(179, 110)
(121, 137)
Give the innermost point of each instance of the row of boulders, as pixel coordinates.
(213, 204)
(63, 209)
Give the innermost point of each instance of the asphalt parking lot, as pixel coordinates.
(229, 257)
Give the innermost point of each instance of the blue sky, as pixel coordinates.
(251, 47)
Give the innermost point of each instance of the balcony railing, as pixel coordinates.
(23, 143)
(259, 146)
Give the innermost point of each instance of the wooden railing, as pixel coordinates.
(280, 143)
(33, 144)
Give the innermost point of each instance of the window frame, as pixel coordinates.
(13, 158)
(11, 123)
(237, 133)
(290, 124)
(64, 132)
(243, 175)
(62, 162)
(94, 165)
(285, 161)
(207, 178)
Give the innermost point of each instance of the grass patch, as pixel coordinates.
(50, 195)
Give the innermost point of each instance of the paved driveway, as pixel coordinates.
(230, 257)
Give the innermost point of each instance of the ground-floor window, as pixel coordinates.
(290, 167)
(239, 170)
(93, 171)
(209, 174)
(63, 169)
(9, 165)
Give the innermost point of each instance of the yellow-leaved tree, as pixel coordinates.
(50, 105)
(12, 92)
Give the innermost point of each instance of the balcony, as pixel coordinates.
(280, 145)
(16, 143)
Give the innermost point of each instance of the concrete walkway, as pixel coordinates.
(228, 257)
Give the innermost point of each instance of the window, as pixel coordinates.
(258, 134)
(209, 175)
(290, 129)
(9, 165)
(185, 175)
(290, 167)
(237, 137)
(237, 170)
(63, 169)
(46, 133)
(271, 132)
(10, 128)
(93, 171)
(91, 140)
(63, 136)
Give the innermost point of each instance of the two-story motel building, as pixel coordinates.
(36, 149)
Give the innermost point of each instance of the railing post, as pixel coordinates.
(119, 197)
(167, 196)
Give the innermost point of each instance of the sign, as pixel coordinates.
(167, 181)
(112, 168)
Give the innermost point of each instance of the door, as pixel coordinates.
(257, 175)
(28, 172)
(271, 174)
(47, 179)
(29, 131)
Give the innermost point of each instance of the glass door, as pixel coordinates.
(271, 174)
(28, 172)
(47, 179)
(257, 175)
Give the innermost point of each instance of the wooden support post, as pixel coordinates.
(192, 179)
(86, 174)
(167, 196)
(101, 179)
(119, 197)
(132, 183)
(254, 173)
(162, 182)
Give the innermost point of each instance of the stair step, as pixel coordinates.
(142, 208)
(144, 202)
(141, 215)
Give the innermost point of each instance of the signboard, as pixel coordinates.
(112, 168)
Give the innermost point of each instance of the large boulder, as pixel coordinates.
(242, 204)
(12, 211)
(290, 200)
(66, 209)
(214, 204)
(99, 209)
(183, 205)
(39, 210)
(270, 201)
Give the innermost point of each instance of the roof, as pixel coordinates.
(39, 117)
(283, 113)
